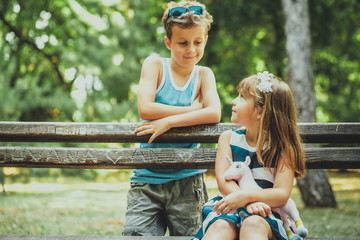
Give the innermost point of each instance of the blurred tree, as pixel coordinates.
(314, 187)
(82, 59)
(335, 31)
(2, 180)
(73, 60)
(246, 37)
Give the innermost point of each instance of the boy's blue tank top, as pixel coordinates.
(171, 94)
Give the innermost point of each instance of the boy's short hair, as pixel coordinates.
(187, 19)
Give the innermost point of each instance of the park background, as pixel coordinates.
(68, 60)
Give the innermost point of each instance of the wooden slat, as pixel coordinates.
(112, 237)
(333, 158)
(330, 132)
(128, 158)
(125, 158)
(124, 132)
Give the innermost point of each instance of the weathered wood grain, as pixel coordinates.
(125, 132)
(128, 158)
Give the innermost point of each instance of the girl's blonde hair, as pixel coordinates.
(187, 19)
(278, 133)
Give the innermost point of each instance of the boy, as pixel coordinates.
(173, 92)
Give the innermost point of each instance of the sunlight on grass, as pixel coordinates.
(66, 213)
(75, 207)
(36, 187)
(345, 181)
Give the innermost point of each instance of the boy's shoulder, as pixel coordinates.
(204, 69)
(205, 72)
(153, 59)
(152, 63)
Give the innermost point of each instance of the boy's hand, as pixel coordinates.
(259, 208)
(155, 127)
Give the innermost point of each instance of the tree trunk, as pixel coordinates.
(315, 188)
(2, 179)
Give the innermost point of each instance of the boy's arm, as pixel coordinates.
(147, 107)
(210, 113)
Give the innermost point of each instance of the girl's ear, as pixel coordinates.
(167, 43)
(259, 113)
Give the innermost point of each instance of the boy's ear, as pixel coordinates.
(167, 42)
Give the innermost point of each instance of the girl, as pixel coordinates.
(266, 110)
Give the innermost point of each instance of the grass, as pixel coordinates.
(70, 212)
(76, 208)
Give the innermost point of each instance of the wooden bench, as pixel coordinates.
(346, 156)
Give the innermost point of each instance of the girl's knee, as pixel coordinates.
(254, 221)
(221, 229)
(221, 224)
(256, 224)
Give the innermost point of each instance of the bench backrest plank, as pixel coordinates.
(127, 158)
(124, 132)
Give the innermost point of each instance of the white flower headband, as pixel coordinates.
(265, 84)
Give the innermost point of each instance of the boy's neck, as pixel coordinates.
(179, 70)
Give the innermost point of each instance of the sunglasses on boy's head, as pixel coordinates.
(178, 11)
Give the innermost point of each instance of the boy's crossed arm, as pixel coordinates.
(149, 80)
(163, 117)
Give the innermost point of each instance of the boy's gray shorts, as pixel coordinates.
(151, 208)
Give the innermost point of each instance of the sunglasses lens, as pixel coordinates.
(176, 12)
(198, 10)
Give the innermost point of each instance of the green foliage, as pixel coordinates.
(335, 33)
(73, 60)
(80, 60)
(246, 37)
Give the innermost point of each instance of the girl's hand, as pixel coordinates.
(155, 127)
(259, 208)
(231, 203)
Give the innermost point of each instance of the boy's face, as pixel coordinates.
(187, 44)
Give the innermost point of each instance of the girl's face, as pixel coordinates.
(244, 112)
(187, 45)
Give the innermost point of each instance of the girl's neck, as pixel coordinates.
(252, 136)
